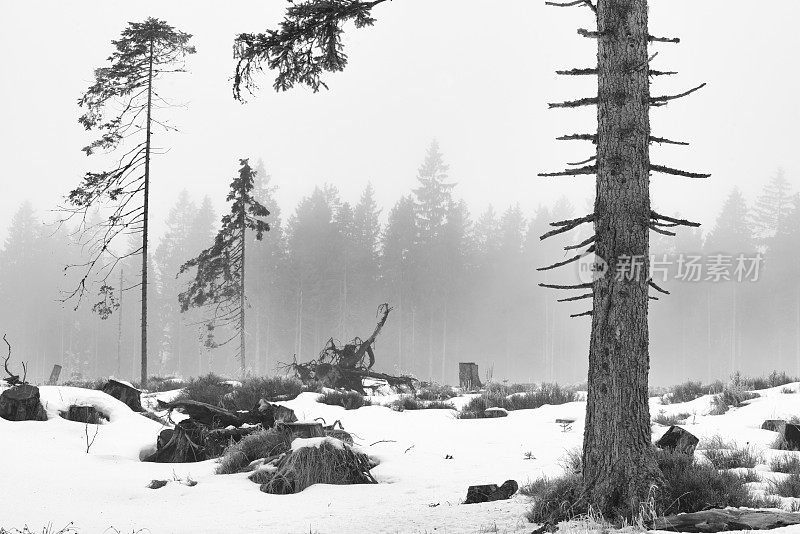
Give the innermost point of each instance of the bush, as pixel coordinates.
(526, 400)
(670, 420)
(556, 499)
(270, 388)
(774, 380)
(260, 444)
(692, 487)
(724, 455)
(328, 462)
(349, 400)
(435, 392)
(786, 487)
(162, 383)
(407, 402)
(785, 463)
(87, 383)
(208, 388)
(718, 406)
(780, 443)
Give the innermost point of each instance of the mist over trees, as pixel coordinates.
(464, 287)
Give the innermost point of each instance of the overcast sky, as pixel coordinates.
(476, 75)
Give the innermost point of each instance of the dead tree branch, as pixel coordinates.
(677, 172)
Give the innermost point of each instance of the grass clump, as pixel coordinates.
(689, 391)
(407, 402)
(270, 388)
(157, 384)
(785, 463)
(260, 444)
(87, 383)
(207, 388)
(327, 462)
(780, 444)
(689, 486)
(431, 391)
(788, 486)
(670, 420)
(519, 400)
(686, 486)
(724, 455)
(349, 400)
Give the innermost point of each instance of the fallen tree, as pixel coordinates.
(346, 366)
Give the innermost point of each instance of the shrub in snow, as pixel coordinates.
(349, 400)
(724, 455)
(785, 463)
(495, 397)
(270, 388)
(209, 388)
(407, 402)
(687, 486)
(261, 444)
(670, 420)
(318, 461)
(689, 391)
(430, 391)
(785, 487)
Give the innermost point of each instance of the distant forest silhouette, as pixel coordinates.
(464, 287)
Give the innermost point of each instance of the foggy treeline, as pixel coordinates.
(464, 287)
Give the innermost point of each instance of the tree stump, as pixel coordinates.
(185, 445)
(774, 425)
(468, 377)
(125, 393)
(678, 440)
(54, 374)
(21, 403)
(791, 433)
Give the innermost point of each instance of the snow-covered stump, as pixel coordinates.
(125, 393)
(22, 403)
(186, 445)
(85, 414)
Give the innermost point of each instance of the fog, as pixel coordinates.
(477, 79)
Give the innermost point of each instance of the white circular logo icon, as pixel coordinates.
(591, 267)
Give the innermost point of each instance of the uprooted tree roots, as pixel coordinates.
(348, 365)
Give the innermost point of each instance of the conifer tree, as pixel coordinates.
(773, 206)
(219, 281)
(119, 105)
(618, 465)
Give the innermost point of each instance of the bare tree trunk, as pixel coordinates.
(119, 325)
(444, 342)
(618, 465)
(145, 213)
(241, 287)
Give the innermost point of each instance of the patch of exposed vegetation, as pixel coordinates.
(349, 400)
(724, 455)
(670, 420)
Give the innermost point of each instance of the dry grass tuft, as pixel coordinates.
(261, 444)
(331, 462)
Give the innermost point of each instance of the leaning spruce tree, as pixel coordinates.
(219, 282)
(619, 470)
(119, 105)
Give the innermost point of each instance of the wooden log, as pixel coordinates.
(21, 403)
(491, 492)
(125, 393)
(206, 414)
(468, 377)
(729, 519)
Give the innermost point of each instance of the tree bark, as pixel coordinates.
(618, 465)
(241, 288)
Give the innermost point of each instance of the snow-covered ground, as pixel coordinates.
(48, 477)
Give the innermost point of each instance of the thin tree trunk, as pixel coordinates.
(444, 342)
(618, 465)
(145, 213)
(119, 325)
(241, 287)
